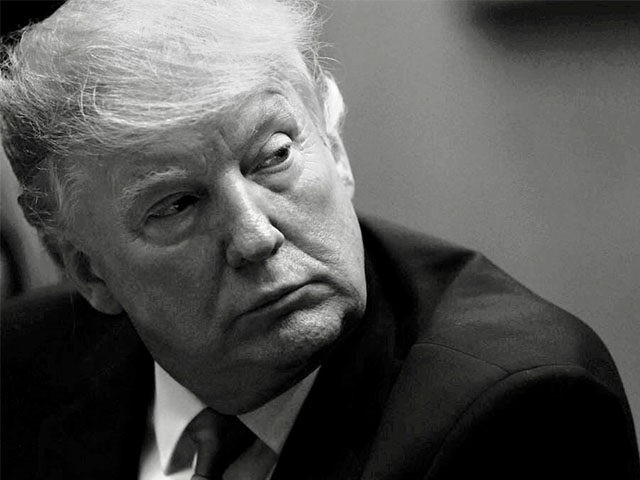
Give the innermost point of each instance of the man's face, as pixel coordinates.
(234, 248)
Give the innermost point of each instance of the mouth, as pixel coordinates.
(286, 300)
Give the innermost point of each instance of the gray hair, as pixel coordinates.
(104, 76)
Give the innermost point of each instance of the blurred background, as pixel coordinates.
(509, 127)
(512, 128)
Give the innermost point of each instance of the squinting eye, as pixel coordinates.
(173, 205)
(275, 152)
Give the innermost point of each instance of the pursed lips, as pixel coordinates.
(281, 298)
(272, 297)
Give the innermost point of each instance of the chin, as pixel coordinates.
(306, 341)
(307, 335)
(281, 361)
(265, 368)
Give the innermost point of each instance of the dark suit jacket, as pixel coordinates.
(456, 371)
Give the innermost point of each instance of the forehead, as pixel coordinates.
(228, 133)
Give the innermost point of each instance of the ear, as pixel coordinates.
(80, 268)
(342, 164)
(334, 111)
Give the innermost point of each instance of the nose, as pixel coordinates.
(252, 236)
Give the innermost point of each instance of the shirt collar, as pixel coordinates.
(175, 406)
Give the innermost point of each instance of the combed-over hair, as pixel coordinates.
(104, 76)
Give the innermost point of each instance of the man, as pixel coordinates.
(183, 163)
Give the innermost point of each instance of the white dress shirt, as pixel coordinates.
(174, 407)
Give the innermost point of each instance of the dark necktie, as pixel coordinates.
(219, 440)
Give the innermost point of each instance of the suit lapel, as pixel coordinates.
(99, 434)
(333, 433)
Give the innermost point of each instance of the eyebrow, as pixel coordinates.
(147, 182)
(278, 111)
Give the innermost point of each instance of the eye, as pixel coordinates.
(173, 205)
(277, 151)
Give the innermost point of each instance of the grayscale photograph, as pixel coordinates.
(320, 240)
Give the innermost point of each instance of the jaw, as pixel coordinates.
(260, 371)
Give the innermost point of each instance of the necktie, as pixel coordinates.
(220, 439)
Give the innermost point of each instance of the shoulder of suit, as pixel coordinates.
(483, 351)
(53, 339)
(461, 302)
(486, 314)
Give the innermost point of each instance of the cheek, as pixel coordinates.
(155, 285)
(319, 194)
(323, 222)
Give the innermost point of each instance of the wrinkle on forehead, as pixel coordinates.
(144, 182)
(194, 150)
(256, 109)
